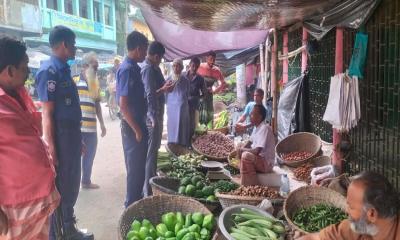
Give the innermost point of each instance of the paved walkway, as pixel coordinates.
(99, 210)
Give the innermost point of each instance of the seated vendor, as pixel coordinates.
(243, 123)
(373, 209)
(257, 155)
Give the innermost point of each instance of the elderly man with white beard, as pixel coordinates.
(373, 209)
(89, 96)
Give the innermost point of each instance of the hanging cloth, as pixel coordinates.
(343, 107)
(359, 56)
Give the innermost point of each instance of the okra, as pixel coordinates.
(252, 231)
(236, 230)
(278, 228)
(260, 222)
(238, 236)
(271, 234)
(249, 216)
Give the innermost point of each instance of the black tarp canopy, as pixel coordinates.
(192, 27)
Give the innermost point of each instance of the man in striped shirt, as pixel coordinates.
(89, 96)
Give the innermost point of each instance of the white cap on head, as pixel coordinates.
(178, 61)
(89, 57)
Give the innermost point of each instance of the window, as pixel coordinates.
(53, 4)
(96, 12)
(83, 8)
(69, 6)
(107, 15)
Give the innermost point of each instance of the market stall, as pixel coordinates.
(284, 203)
(208, 176)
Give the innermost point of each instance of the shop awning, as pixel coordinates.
(183, 41)
(35, 58)
(194, 27)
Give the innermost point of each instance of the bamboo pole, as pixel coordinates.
(337, 154)
(274, 82)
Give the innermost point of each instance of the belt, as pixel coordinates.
(68, 124)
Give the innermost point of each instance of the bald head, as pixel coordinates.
(378, 193)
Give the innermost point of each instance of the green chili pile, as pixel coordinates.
(317, 217)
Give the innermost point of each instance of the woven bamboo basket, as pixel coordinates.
(308, 196)
(170, 186)
(177, 150)
(299, 142)
(321, 161)
(228, 200)
(152, 208)
(220, 159)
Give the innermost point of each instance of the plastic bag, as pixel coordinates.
(320, 173)
(266, 205)
(359, 56)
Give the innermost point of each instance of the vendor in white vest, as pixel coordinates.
(258, 154)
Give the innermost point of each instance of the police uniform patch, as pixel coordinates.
(68, 101)
(51, 70)
(51, 85)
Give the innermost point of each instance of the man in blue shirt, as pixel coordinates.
(155, 87)
(131, 98)
(258, 98)
(62, 125)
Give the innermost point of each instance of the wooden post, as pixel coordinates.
(304, 57)
(267, 64)
(337, 155)
(274, 82)
(285, 72)
(262, 65)
(241, 85)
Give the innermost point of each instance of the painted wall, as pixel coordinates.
(90, 34)
(20, 15)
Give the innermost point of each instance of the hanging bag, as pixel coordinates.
(359, 56)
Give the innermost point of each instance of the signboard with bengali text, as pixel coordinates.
(76, 23)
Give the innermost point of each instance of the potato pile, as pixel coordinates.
(296, 156)
(303, 173)
(256, 191)
(214, 144)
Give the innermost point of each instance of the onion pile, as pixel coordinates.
(214, 144)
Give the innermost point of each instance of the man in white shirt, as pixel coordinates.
(258, 155)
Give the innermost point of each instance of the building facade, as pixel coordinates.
(93, 22)
(137, 22)
(20, 18)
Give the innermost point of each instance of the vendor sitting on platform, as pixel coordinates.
(257, 155)
(243, 122)
(373, 209)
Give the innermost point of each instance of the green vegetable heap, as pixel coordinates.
(317, 217)
(184, 167)
(232, 170)
(174, 226)
(222, 120)
(224, 186)
(252, 225)
(196, 187)
(226, 98)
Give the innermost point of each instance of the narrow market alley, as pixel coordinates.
(99, 210)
